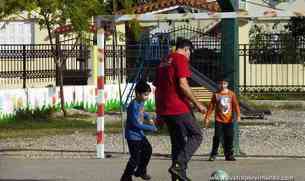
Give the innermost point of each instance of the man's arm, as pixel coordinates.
(211, 107)
(184, 85)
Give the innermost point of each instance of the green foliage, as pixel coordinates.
(79, 105)
(296, 25)
(34, 114)
(55, 12)
(257, 33)
(149, 106)
(112, 105)
(57, 107)
(115, 105)
(13, 7)
(38, 114)
(135, 29)
(75, 105)
(262, 39)
(92, 108)
(25, 114)
(7, 118)
(121, 5)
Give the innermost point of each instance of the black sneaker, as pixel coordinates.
(126, 178)
(143, 176)
(178, 172)
(230, 158)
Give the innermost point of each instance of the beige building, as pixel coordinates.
(271, 74)
(22, 29)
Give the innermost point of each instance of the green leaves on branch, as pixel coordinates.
(79, 13)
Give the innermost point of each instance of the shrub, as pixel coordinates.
(34, 114)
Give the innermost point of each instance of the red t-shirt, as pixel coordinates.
(170, 99)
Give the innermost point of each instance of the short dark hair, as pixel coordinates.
(142, 87)
(223, 78)
(183, 43)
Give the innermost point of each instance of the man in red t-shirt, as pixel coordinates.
(173, 95)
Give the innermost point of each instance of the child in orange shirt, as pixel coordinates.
(225, 103)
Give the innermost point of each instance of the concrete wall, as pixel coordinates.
(14, 99)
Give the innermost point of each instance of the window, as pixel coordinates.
(16, 32)
(242, 4)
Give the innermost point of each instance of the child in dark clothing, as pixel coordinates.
(140, 149)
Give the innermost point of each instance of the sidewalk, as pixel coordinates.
(110, 169)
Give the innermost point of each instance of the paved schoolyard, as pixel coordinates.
(110, 169)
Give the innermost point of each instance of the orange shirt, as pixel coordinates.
(224, 104)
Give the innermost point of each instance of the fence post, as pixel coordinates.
(81, 57)
(121, 63)
(24, 66)
(57, 59)
(245, 67)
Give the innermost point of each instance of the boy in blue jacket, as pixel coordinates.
(140, 149)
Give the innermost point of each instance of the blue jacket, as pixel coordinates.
(134, 124)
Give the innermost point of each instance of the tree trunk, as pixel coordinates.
(58, 61)
(60, 64)
(61, 91)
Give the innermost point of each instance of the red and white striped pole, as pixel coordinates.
(100, 99)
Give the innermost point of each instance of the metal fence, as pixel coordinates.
(115, 63)
(271, 72)
(269, 66)
(268, 78)
(124, 60)
(273, 64)
(24, 66)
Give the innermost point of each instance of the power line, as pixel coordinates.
(268, 5)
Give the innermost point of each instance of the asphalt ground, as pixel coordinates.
(110, 169)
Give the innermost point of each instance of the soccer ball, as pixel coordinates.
(219, 175)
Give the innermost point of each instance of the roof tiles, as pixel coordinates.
(162, 4)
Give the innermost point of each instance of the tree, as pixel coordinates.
(296, 25)
(113, 6)
(51, 14)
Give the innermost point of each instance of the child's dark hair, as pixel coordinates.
(183, 43)
(223, 77)
(142, 87)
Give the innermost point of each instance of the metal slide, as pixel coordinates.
(247, 111)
